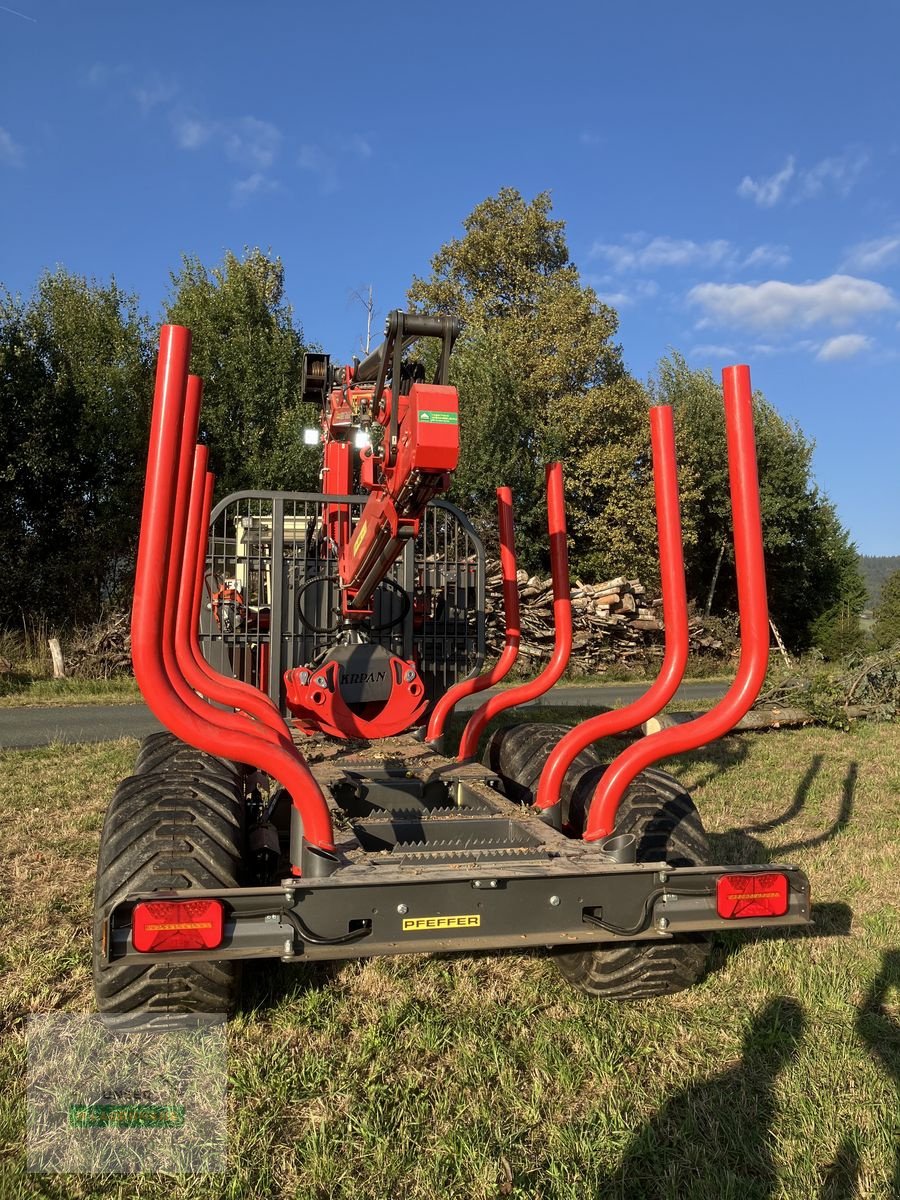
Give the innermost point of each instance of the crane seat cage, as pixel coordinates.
(272, 599)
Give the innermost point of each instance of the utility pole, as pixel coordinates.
(368, 303)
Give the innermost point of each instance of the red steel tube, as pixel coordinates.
(187, 647)
(193, 665)
(675, 613)
(562, 617)
(147, 625)
(752, 605)
(513, 635)
(180, 667)
(187, 689)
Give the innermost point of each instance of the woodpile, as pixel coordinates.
(101, 651)
(613, 622)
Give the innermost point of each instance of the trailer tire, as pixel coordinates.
(172, 828)
(518, 753)
(164, 752)
(661, 815)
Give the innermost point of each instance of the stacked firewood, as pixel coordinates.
(613, 621)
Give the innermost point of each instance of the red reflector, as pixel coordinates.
(177, 925)
(752, 895)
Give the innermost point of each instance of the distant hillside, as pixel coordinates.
(875, 570)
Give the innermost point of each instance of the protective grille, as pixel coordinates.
(272, 601)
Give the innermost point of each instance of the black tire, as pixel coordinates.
(517, 753)
(164, 751)
(172, 828)
(661, 815)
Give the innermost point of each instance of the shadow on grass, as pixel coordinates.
(879, 1029)
(266, 983)
(739, 844)
(714, 1137)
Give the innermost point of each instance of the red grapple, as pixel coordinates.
(314, 697)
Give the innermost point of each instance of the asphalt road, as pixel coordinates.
(21, 728)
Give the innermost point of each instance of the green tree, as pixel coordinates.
(250, 354)
(545, 339)
(494, 443)
(610, 496)
(74, 387)
(811, 565)
(886, 630)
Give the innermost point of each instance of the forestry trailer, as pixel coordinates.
(305, 653)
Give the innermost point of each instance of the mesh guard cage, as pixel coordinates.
(283, 611)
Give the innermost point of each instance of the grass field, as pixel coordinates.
(16, 691)
(475, 1078)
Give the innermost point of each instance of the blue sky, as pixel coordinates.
(729, 175)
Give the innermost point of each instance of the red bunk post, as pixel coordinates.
(751, 585)
(562, 616)
(199, 674)
(155, 667)
(513, 633)
(675, 615)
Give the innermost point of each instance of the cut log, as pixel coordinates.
(757, 718)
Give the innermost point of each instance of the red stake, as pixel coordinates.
(675, 614)
(149, 642)
(562, 617)
(513, 635)
(192, 664)
(751, 586)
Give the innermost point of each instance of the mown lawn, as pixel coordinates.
(476, 1078)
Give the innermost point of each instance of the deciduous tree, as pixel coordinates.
(74, 391)
(249, 352)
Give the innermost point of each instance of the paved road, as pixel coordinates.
(24, 727)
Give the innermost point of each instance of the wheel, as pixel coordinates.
(178, 826)
(661, 815)
(163, 751)
(517, 753)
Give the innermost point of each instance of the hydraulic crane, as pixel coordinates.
(416, 449)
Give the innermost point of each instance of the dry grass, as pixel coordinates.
(777, 1077)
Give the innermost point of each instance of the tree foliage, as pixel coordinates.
(74, 391)
(811, 565)
(886, 630)
(250, 355)
(534, 341)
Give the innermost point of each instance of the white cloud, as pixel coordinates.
(251, 142)
(641, 289)
(256, 184)
(191, 132)
(844, 346)
(766, 192)
(767, 256)
(11, 153)
(776, 304)
(101, 74)
(710, 350)
(313, 159)
(589, 138)
(153, 93)
(837, 173)
(874, 254)
(246, 141)
(638, 253)
(360, 147)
